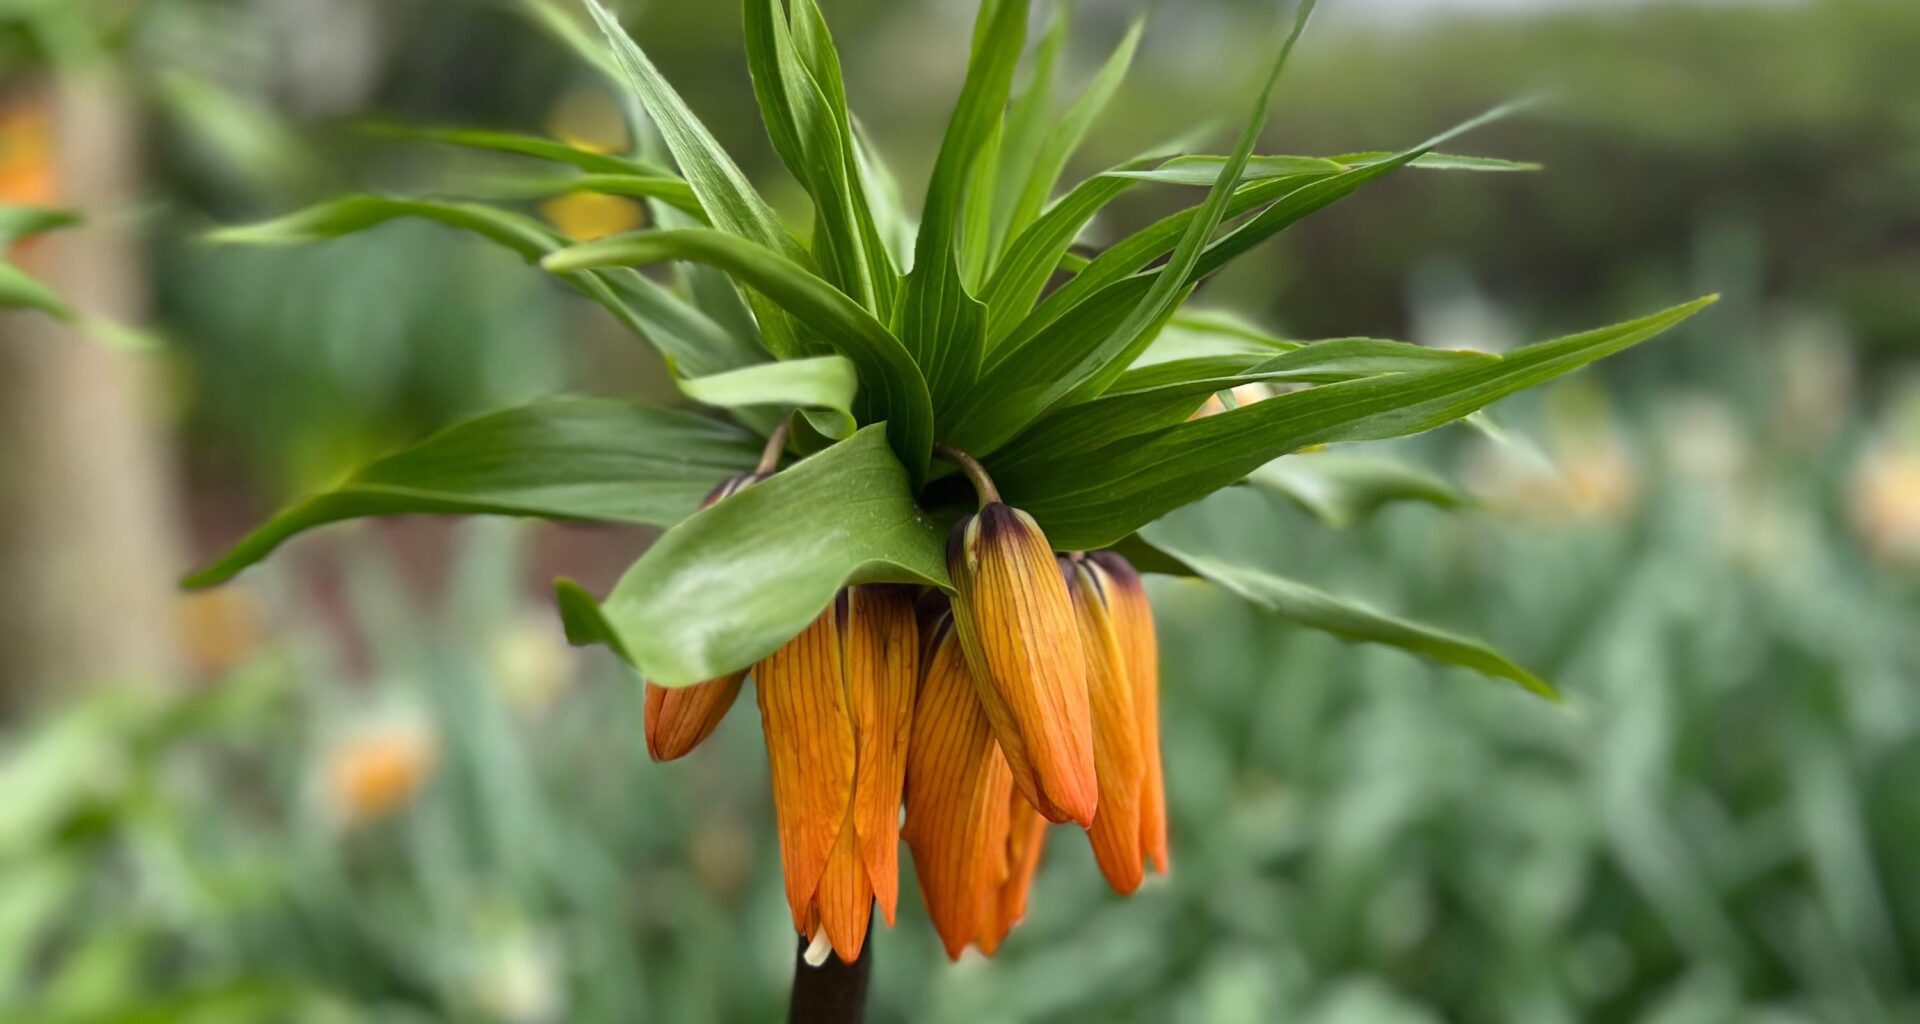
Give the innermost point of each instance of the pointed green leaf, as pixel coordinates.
(893, 389)
(550, 150)
(1341, 490)
(1202, 170)
(1087, 502)
(1031, 258)
(731, 584)
(1349, 620)
(1025, 130)
(679, 331)
(826, 383)
(1042, 375)
(731, 203)
(20, 290)
(942, 326)
(670, 190)
(1065, 137)
(17, 222)
(581, 459)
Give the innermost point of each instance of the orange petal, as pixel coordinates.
(1133, 621)
(951, 792)
(679, 718)
(1115, 832)
(883, 669)
(846, 897)
(1025, 840)
(810, 751)
(1016, 624)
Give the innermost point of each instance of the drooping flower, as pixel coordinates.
(1120, 764)
(836, 704)
(679, 718)
(1132, 617)
(1015, 621)
(975, 840)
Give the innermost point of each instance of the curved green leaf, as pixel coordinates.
(1195, 169)
(585, 459)
(1349, 620)
(670, 190)
(1341, 490)
(1065, 137)
(824, 382)
(550, 150)
(732, 583)
(680, 331)
(20, 290)
(17, 222)
(894, 389)
(1090, 501)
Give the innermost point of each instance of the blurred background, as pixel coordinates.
(369, 781)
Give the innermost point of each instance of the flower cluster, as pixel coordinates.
(1028, 697)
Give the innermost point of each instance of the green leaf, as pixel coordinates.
(1341, 490)
(823, 382)
(597, 460)
(1195, 169)
(1162, 395)
(550, 150)
(797, 80)
(1065, 137)
(1194, 333)
(1030, 259)
(734, 582)
(19, 290)
(670, 190)
(1041, 375)
(1024, 133)
(1090, 501)
(729, 199)
(941, 324)
(893, 388)
(17, 222)
(682, 333)
(1317, 609)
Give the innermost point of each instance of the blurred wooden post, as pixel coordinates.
(88, 539)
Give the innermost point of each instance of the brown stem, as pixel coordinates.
(982, 483)
(776, 443)
(832, 993)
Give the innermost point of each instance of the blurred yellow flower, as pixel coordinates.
(376, 770)
(589, 215)
(1884, 504)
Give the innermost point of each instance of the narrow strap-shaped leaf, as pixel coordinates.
(1091, 501)
(942, 326)
(1046, 374)
(1027, 122)
(1341, 490)
(893, 389)
(17, 222)
(1196, 169)
(826, 383)
(729, 199)
(1316, 609)
(668, 189)
(1155, 397)
(19, 290)
(732, 583)
(1065, 137)
(596, 460)
(550, 150)
(1196, 333)
(679, 331)
(1030, 259)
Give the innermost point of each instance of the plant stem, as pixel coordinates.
(982, 483)
(776, 442)
(834, 992)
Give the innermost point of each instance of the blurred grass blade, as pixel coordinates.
(1018, 390)
(17, 222)
(732, 583)
(681, 332)
(585, 459)
(1444, 162)
(1201, 170)
(942, 326)
(893, 387)
(729, 198)
(19, 290)
(1317, 609)
(1090, 501)
(1341, 490)
(827, 383)
(550, 150)
(1065, 137)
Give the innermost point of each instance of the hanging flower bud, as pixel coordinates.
(679, 718)
(1015, 621)
(1115, 832)
(975, 840)
(836, 705)
(1132, 617)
